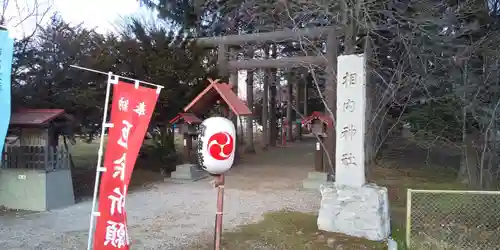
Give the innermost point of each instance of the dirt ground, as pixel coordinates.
(274, 168)
(260, 184)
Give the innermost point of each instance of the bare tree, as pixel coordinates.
(24, 16)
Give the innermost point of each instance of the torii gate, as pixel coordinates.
(229, 69)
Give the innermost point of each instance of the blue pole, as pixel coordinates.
(6, 52)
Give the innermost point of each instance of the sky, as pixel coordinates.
(96, 13)
(99, 14)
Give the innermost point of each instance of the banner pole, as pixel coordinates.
(123, 77)
(111, 80)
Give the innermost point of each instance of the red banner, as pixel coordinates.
(131, 112)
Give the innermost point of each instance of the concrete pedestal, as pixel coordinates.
(188, 173)
(355, 211)
(36, 190)
(315, 180)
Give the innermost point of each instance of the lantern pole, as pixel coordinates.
(219, 184)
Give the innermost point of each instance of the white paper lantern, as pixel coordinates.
(216, 145)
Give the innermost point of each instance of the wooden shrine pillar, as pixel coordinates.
(233, 81)
(331, 101)
(229, 77)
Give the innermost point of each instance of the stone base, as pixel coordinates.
(188, 173)
(315, 180)
(36, 190)
(360, 212)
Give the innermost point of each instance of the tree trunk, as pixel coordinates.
(299, 91)
(305, 110)
(289, 110)
(265, 104)
(331, 103)
(373, 130)
(470, 164)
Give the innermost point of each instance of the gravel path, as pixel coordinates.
(166, 216)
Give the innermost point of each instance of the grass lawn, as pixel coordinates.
(292, 231)
(84, 156)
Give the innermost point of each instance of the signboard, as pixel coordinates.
(6, 51)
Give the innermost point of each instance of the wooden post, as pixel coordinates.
(318, 156)
(187, 147)
(331, 99)
(46, 149)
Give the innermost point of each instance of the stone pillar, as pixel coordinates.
(350, 206)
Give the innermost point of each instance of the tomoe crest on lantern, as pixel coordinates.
(217, 145)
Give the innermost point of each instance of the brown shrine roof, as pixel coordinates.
(34, 116)
(213, 92)
(187, 118)
(316, 115)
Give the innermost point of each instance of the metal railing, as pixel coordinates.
(453, 219)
